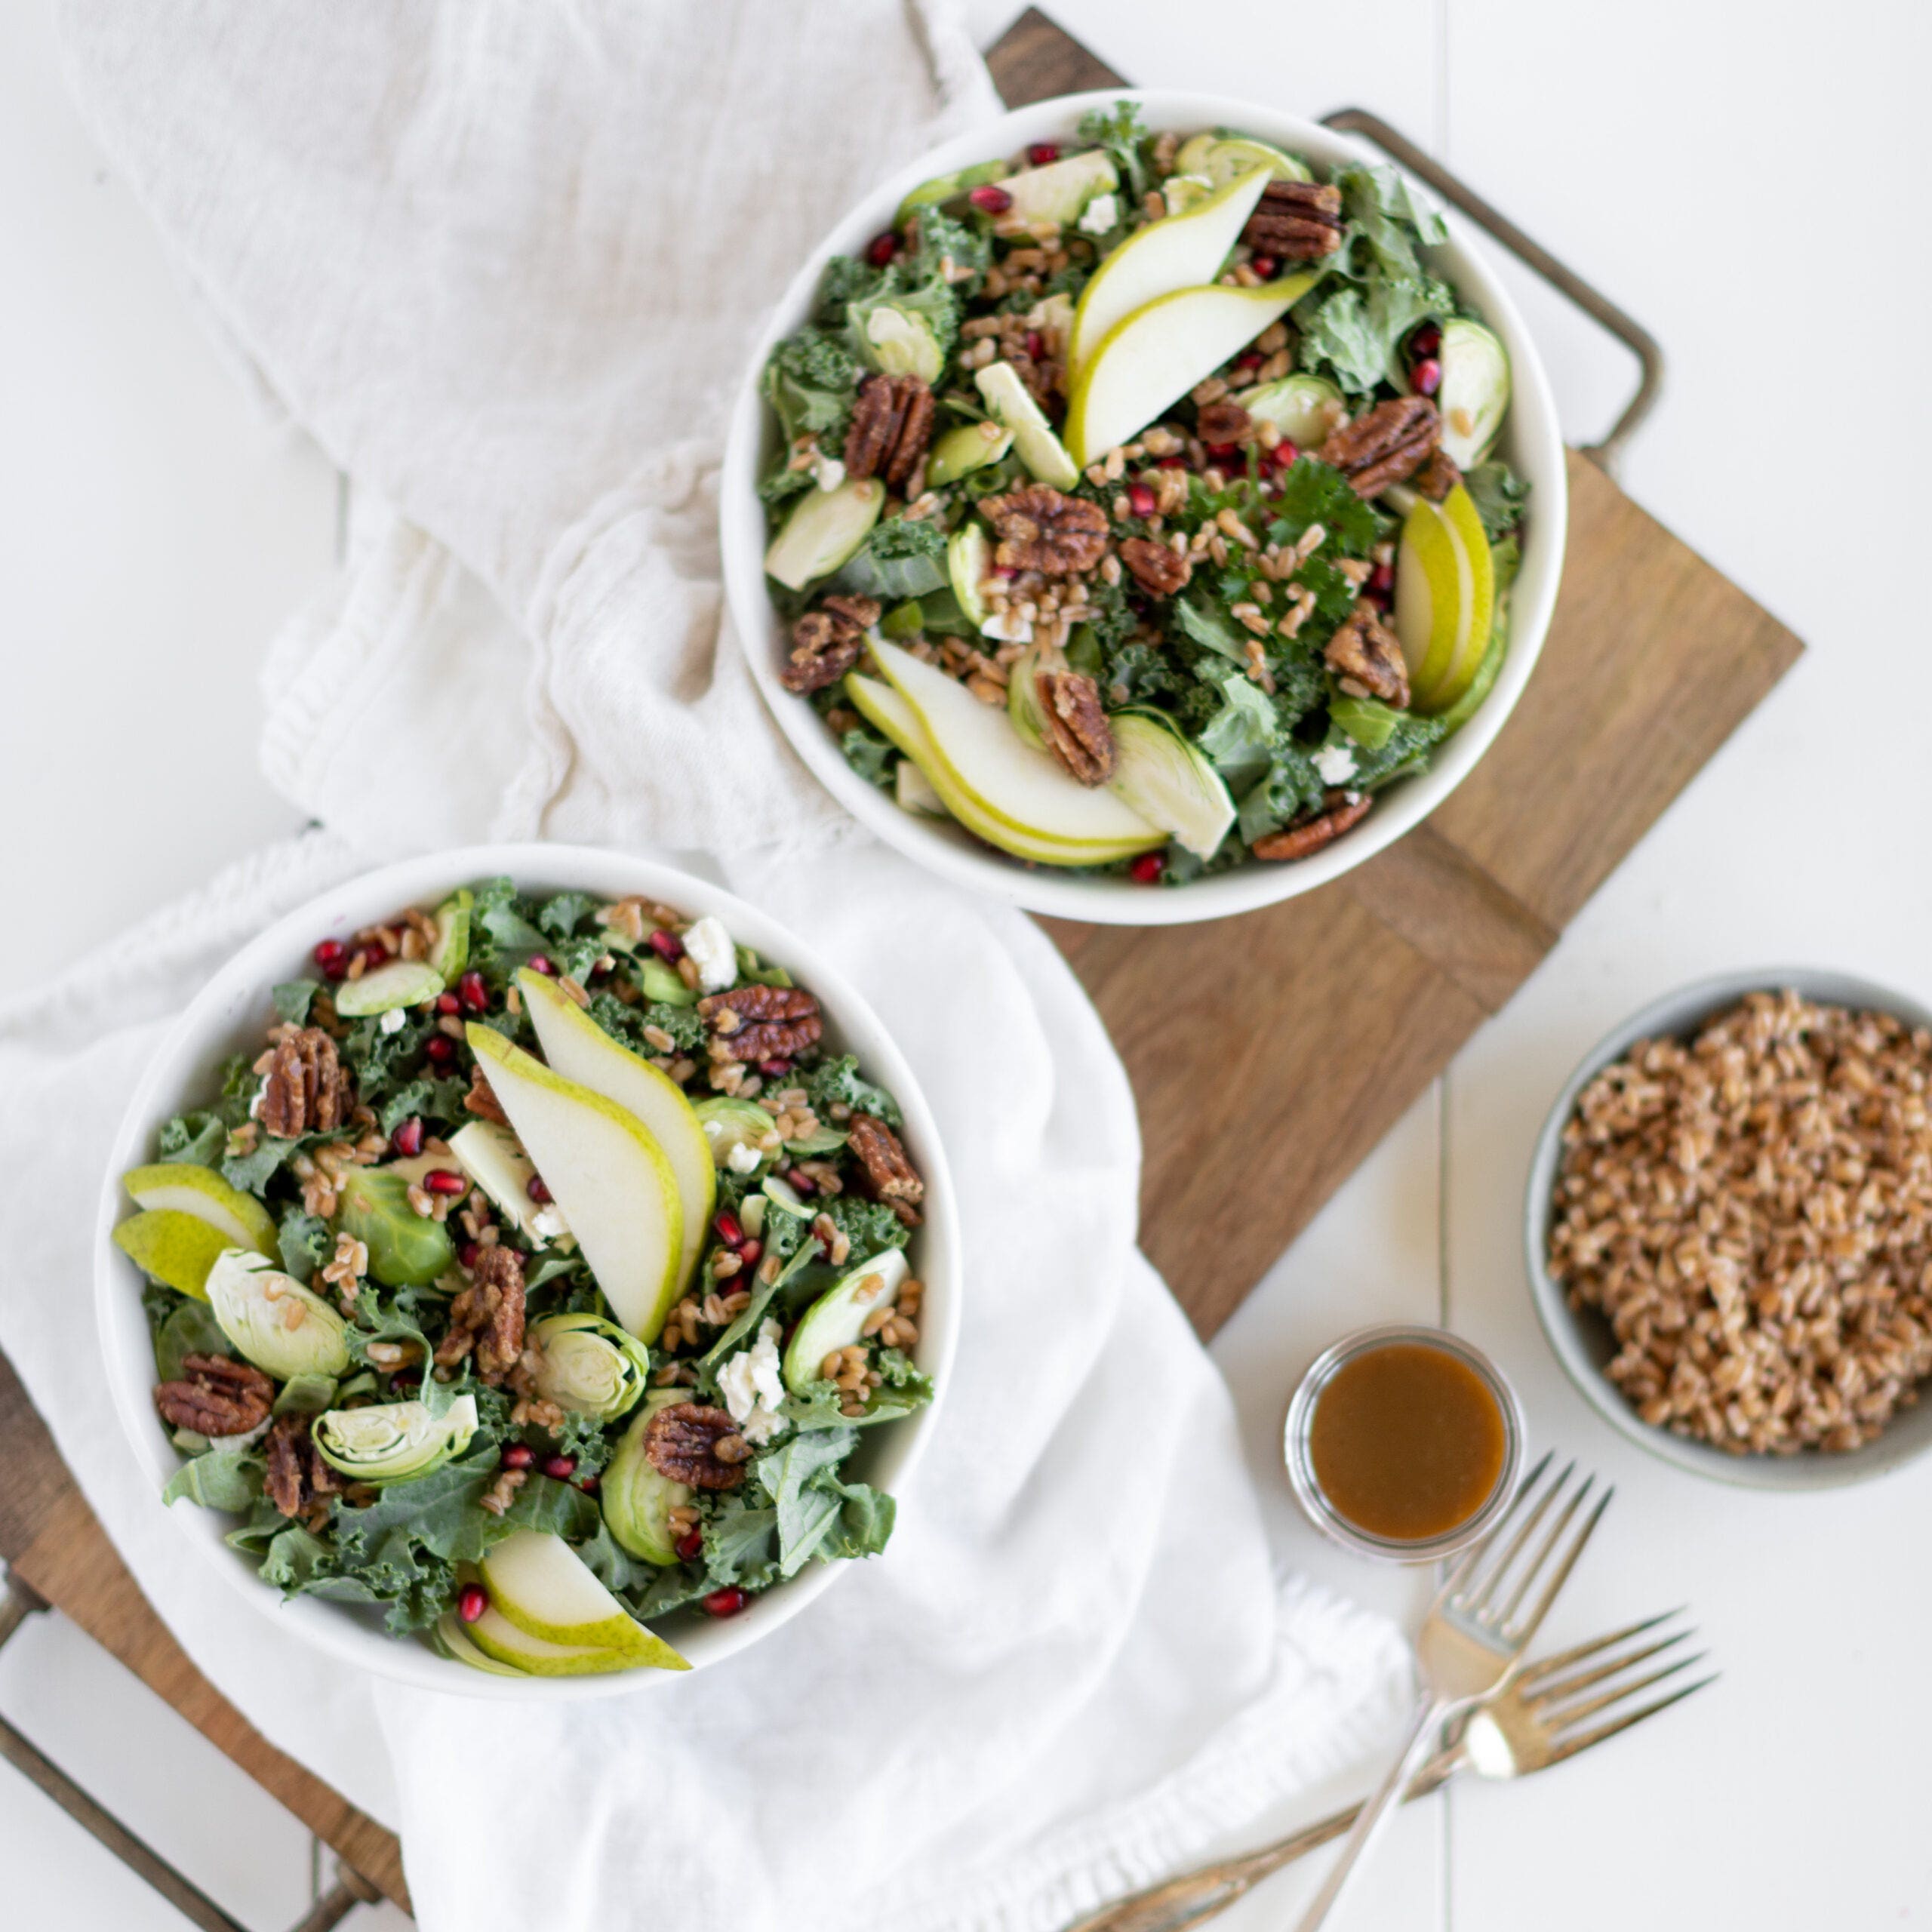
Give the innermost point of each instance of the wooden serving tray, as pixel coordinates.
(1653, 660)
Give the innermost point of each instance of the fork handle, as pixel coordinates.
(1377, 1811)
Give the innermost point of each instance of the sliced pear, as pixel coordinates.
(580, 1049)
(501, 1642)
(540, 1584)
(1445, 591)
(838, 1318)
(1011, 783)
(1170, 782)
(1043, 453)
(400, 982)
(1473, 396)
(182, 1187)
(1156, 354)
(1221, 158)
(178, 1249)
(609, 1175)
(1059, 190)
(450, 953)
(493, 1157)
(451, 1640)
(1022, 699)
(827, 527)
(1183, 251)
(913, 791)
(960, 451)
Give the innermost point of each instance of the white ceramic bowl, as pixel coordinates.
(229, 1015)
(1531, 441)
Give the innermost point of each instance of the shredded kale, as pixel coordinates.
(900, 558)
(1120, 131)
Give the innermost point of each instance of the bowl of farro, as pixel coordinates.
(1144, 509)
(1728, 1228)
(528, 1271)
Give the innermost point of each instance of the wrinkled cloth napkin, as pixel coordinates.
(503, 262)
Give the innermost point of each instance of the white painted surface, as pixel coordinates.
(1745, 182)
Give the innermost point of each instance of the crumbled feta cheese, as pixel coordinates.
(1008, 626)
(261, 1094)
(548, 1223)
(1336, 764)
(1099, 214)
(743, 1159)
(753, 1390)
(828, 473)
(712, 953)
(712, 1129)
(391, 1021)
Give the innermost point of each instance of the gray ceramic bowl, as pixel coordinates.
(1583, 1342)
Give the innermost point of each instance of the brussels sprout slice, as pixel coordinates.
(589, 1366)
(827, 527)
(960, 451)
(273, 1320)
(658, 982)
(1222, 157)
(406, 1249)
(450, 953)
(838, 1317)
(1304, 408)
(636, 1501)
(1023, 697)
(898, 340)
(393, 1441)
(785, 1198)
(1473, 396)
(969, 559)
(402, 982)
(1170, 782)
(944, 188)
(732, 1125)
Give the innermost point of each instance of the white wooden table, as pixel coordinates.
(1749, 183)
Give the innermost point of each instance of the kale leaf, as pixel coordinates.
(899, 558)
(837, 1082)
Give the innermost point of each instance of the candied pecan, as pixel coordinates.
(1157, 569)
(1438, 476)
(765, 1023)
(297, 1477)
(1077, 731)
(1220, 422)
(1339, 811)
(1040, 529)
(691, 1444)
(216, 1396)
(1391, 442)
(892, 423)
(1367, 655)
(308, 1090)
(1296, 221)
(481, 1100)
(488, 1316)
(890, 1176)
(826, 642)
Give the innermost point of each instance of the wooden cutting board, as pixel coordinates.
(1311, 1035)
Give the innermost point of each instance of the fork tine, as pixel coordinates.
(1617, 1693)
(1501, 1618)
(1555, 1693)
(1464, 1564)
(1534, 1673)
(1522, 1632)
(1570, 1746)
(1465, 1572)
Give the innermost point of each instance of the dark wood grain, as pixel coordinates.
(1034, 60)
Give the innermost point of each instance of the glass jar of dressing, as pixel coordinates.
(1404, 1442)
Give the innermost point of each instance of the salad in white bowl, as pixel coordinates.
(1159, 498)
(531, 1272)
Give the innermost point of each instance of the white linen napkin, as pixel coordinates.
(504, 261)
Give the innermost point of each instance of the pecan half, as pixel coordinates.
(890, 1176)
(1367, 655)
(1156, 568)
(488, 1316)
(308, 1090)
(297, 1477)
(481, 1100)
(763, 1022)
(1389, 443)
(1438, 476)
(1339, 811)
(892, 423)
(1220, 422)
(826, 643)
(1296, 221)
(1040, 529)
(691, 1444)
(1077, 731)
(216, 1397)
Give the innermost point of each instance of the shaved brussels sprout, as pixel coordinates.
(636, 1500)
(406, 1249)
(589, 1366)
(278, 1323)
(393, 1441)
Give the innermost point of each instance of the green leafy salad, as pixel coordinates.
(1135, 504)
(538, 1280)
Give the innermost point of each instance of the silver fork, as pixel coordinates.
(1539, 1717)
(1481, 1621)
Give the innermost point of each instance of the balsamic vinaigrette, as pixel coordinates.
(1406, 1441)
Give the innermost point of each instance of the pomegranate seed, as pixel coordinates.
(559, 1467)
(688, 1545)
(728, 1601)
(774, 1069)
(750, 1252)
(1382, 577)
(993, 201)
(468, 1253)
(1285, 453)
(407, 1140)
(589, 1485)
(1147, 870)
(439, 1047)
(1426, 340)
(801, 1181)
(1250, 358)
(1265, 265)
(1006, 570)
(1223, 452)
(667, 947)
(1173, 462)
(1141, 500)
(1041, 152)
(474, 994)
(882, 248)
(445, 1180)
(1036, 344)
(729, 1231)
(537, 1192)
(372, 956)
(541, 962)
(448, 1003)
(1426, 378)
(332, 956)
(518, 1455)
(471, 1602)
